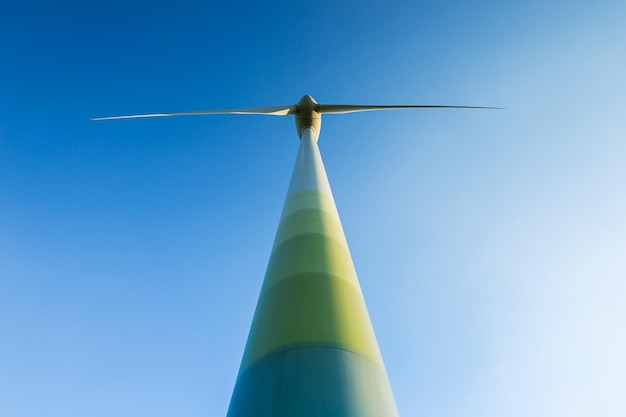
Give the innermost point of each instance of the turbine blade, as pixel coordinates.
(349, 108)
(274, 111)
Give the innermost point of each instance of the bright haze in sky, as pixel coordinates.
(490, 245)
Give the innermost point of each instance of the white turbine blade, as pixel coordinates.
(274, 111)
(349, 108)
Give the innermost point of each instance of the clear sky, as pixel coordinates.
(490, 245)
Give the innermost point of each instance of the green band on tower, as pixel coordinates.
(311, 351)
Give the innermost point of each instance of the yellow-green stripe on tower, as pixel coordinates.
(311, 351)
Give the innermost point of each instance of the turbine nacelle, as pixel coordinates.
(308, 115)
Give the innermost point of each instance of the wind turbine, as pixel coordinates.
(311, 350)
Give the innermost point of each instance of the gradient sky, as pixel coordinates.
(490, 245)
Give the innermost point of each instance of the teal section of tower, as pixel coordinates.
(311, 350)
(313, 381)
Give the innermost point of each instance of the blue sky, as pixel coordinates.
(490, 245)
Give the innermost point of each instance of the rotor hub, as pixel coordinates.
(308, 115)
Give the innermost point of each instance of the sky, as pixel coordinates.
(490, 245)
